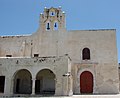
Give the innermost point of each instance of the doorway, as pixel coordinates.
(2, 83)
(45, 82)
(86, 82)
(23, 82)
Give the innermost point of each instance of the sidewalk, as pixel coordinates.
(96, 96)
(74, 96)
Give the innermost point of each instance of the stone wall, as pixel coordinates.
(103, 81)
(102, 45)
(58, 65)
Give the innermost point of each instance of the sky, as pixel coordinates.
(19, 17)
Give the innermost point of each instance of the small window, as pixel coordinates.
(86, 54)
(8, 55)
(36, 55)
(48, 26)
(55, 26)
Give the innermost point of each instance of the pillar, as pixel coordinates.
(65, 86)
(33, 86)
(7, 86)
(70, 86)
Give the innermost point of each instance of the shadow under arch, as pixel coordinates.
(22, 82)
(45, 82)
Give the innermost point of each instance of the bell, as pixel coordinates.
(55, 25)
(48, 26)
(52, 13)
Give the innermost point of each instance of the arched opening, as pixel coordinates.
(52, 13)
(56, 26)
(86, 54)
(23, 82)
(45, 82)
(86, 82)
(48, 26)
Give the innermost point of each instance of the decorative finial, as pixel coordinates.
(59, 7)
(63, 12)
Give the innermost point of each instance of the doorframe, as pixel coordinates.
(94, 82)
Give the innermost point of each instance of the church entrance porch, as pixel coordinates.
(45, 82)
(86, 82)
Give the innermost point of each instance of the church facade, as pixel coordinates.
(56, 61)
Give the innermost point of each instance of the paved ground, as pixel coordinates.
(96, 96)
(74, 96)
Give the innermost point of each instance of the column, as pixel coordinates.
(7, 86)
(65, 86)
(70, 86)
(33, 86)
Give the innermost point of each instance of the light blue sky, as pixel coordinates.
(22, 16)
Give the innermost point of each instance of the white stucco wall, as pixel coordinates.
(102, 45)
(10, 66)
(103, 63)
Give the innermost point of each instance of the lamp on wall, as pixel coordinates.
(67, 74)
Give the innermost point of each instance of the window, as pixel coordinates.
(48, 26)
(8, 55)
(86, 54)
(55, 26)
(36, 55)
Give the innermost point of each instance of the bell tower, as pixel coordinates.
(52, 19)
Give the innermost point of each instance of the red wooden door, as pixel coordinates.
(86, 82)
